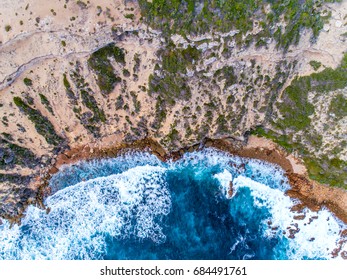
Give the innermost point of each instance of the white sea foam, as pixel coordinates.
(224, 179)
(260, 171)
(208, 157)
(71, 174)
(131, 202)
(267, 173)
(321, 228)
(121, 206)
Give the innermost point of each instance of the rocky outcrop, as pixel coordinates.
(316, 196)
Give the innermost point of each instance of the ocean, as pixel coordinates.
(137, 207)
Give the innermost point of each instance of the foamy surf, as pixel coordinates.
(225, 179)
(121, 206)
(137, 207)
(314, 236)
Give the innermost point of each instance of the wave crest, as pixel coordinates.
(125, 205)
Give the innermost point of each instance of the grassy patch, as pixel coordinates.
(136, 102)
(92, 118)
(137, 63)
(327, 171)
(295, 108)
(119, 102)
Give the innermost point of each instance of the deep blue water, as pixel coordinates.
(136, 207)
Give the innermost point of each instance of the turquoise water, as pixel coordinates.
(137, 207)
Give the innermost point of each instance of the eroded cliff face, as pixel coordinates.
(98, 74)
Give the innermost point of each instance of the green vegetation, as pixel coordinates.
(137, 103)
(28, 82)
(92, 118)
(7, 136)
(282, 140)
(338, 106)
(222, 126)
(63, 43)
(28, 99)
(315, 64)
(295, 107)
(99, 10)
(172, 136)
(226, 73)
(126, 73)
(100, 63)
(5, 121)
(90, 102)
(46, 103)
(42, 125)
(200, 16)
(70, 94)
(296, 111)
(177, 60)
(11, 153)
(8, 28)
(325, 170)
(119, 102)
(171, 85)
(129, 16)
(137, 62)
(81, 4)
(160, 110)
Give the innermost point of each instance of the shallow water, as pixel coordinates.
(137, 207)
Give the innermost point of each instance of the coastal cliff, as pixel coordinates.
(102, 74)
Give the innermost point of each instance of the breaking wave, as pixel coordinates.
(137, 207)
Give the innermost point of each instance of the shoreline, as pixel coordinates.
(310, 193)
